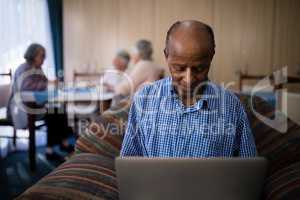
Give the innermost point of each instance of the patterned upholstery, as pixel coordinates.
(281, 149)
(85, 176)
(95, 177)
(284, 184)
(90, 173)
(105, 134)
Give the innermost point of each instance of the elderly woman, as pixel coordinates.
(29, 76)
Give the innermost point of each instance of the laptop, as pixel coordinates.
(141, 178)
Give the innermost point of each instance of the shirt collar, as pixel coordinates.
(207, 100)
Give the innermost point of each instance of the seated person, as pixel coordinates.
(144, 69)
(30, 77)
(187, 115)
(113, 77)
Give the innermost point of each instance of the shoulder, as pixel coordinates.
(157, 88)
(231, 96)
(152, 92)
(21, 68)
(227, 96)
(109, 72)
(148, 64)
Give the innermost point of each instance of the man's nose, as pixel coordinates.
(188, 76)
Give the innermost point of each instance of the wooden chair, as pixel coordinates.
(6, 121)
(31, 126)
(244, 77)
(91, 79)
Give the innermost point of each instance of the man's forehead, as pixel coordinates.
(189, 39)
(190, 34)
(188, 47)
(186, 34)
(191, 28)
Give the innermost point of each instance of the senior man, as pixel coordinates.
(115, 75)
(187, 115)
(144, 70)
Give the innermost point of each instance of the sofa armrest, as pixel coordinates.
(85, 176)
(281, 149)
(104, 135)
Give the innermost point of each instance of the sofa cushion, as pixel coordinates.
(281, 149)
(104, 134)
(284, 184)
(84, 176)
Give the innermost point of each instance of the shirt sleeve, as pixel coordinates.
(131, 145)
(35, 80)
(245, 141)
(104, 78)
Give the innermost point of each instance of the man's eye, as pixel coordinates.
(178, 68)
(201, 68)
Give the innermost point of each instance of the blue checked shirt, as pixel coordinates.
(159, 125)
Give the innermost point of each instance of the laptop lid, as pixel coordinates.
(141, 178)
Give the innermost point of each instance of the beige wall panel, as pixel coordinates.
(228, 25)
(286, 47)
(255, 36)
(169, 11)
(90, 30)
(256, 43)
(243, 38)
(136, 21)
(164, 17)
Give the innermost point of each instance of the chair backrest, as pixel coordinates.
(247, 77)
(9, 74)
(5, 89)
(90, 78)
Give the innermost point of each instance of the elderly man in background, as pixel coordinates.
(144, 69)
(115, 75)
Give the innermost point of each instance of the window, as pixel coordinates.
(22, 23)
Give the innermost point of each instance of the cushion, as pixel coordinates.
(281, 149)
(84, 176)
(104, 134)
(284, 184)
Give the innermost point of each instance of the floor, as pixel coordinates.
(15, 176)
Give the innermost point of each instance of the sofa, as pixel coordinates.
(90, 173)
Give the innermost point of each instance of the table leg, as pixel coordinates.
(104, 105)
(32, 150)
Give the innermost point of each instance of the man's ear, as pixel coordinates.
(212, 54)
(166, 53)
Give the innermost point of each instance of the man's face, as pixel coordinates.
(189, 63)
(119, 64)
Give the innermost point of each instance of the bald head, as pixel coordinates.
(190, 48)
(190, 35)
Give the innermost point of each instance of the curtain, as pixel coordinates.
(22, 23)
(56, 20)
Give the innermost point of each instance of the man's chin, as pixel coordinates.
(185, 91)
